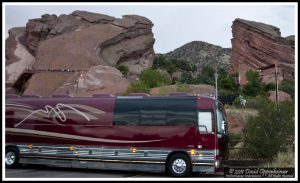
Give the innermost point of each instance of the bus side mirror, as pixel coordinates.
(223, 126)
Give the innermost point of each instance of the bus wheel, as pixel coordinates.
(11, 157)
(179, 165)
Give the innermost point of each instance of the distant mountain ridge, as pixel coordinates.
(202, 54)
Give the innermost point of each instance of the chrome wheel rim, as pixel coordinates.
(179, 166)
(10, 158)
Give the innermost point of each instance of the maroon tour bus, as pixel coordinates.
(174, 134)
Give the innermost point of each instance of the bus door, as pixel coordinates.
(206, 129)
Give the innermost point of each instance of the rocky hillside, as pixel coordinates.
(256, 45)
(202, 54)
(86, 45)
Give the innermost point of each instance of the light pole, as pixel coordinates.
(216, 76)
(216, 103)
(216, 81)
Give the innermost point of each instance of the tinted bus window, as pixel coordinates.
(127, 112)
(153, 112)
(156, 112)
(181, 112)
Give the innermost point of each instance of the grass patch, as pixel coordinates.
(240, 113)
(235, 138)
(182, 88)
(165, 90)
(282, 160)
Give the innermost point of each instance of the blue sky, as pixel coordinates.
(174, 24)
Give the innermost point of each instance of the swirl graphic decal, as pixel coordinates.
(59, 111)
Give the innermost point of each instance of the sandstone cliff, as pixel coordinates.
(80, 42)
(17, 57)
(256, 45)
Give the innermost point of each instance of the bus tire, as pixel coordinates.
(179, 165)
(11, 157)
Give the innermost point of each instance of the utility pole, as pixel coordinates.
(276, 80)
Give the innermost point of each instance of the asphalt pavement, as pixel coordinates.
(39, 171)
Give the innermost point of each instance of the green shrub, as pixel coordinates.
(171, 65)
(186, 78)
(269, 87)
(207, 76)
(237, 102)
(227, 82)
(183, 65)
(271, 130)
(256, 102)
(287, 86)
(137, 87)
(123, 69)
(153, 78)
(254, 86)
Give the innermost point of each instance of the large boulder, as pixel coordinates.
(45, 83)
(103, 79)
(98, 79)
(282, 96)
(83, 39)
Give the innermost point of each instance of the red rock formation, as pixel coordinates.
(81, 41)
(11, 45)
(256, 45)
(17, 57)
(98, 79)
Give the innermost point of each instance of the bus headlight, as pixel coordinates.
(217, 164)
